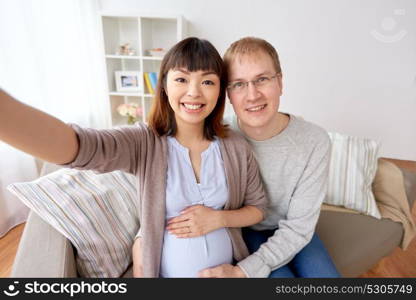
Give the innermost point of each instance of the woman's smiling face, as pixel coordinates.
(192, 95)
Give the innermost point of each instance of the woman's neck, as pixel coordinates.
(190, 134)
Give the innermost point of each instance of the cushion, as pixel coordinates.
(98, 213)
(352, 167)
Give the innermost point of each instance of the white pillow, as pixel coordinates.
(352, 168)
(97, 212)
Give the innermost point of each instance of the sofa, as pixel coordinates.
(356, 242)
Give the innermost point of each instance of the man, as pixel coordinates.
(293, 157)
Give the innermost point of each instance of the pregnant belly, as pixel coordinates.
(187, 256)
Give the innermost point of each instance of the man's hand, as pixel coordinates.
(223, 271)
(195, 221)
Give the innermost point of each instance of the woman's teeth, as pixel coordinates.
(257, 108)
(192, 106)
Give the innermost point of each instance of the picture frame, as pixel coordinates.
(129, 81)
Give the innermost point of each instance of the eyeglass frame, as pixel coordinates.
(246, 83)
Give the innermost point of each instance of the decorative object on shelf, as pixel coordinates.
(157, 52)
(130, 110)
(129, 81)
(126, 49)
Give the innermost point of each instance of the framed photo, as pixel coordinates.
(129, 81)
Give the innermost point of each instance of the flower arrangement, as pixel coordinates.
(130, 110)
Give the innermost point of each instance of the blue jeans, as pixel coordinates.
(311, 262)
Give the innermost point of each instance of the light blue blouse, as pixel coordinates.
(185, 257)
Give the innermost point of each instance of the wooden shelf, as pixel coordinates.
(152, 57)
(141, 32)
(122, 56)
(133, 57)
(130, 94)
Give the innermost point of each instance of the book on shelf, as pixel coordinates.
(148, 83)
(153, 79)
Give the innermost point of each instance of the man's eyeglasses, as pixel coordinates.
(241, 86)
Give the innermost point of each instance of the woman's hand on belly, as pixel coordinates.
(194, 221)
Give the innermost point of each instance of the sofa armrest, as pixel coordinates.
(43, 252)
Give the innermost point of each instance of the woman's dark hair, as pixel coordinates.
(193, 54)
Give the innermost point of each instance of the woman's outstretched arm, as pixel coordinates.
(36, 132)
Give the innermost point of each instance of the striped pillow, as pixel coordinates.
(97, 212)
(352, 168)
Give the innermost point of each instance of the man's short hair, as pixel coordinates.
(250, 45)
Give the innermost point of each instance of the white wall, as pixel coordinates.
(339, 70)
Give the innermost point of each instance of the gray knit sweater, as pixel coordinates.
(294, 167)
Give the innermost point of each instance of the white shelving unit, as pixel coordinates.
(142, 32)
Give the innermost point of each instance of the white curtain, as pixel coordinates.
(51, 57)
(15, 166)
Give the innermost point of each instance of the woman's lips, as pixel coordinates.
(193, 107)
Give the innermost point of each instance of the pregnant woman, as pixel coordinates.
(185, 159)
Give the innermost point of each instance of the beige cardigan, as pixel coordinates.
(139, 151)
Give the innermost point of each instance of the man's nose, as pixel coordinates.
(252, 92)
